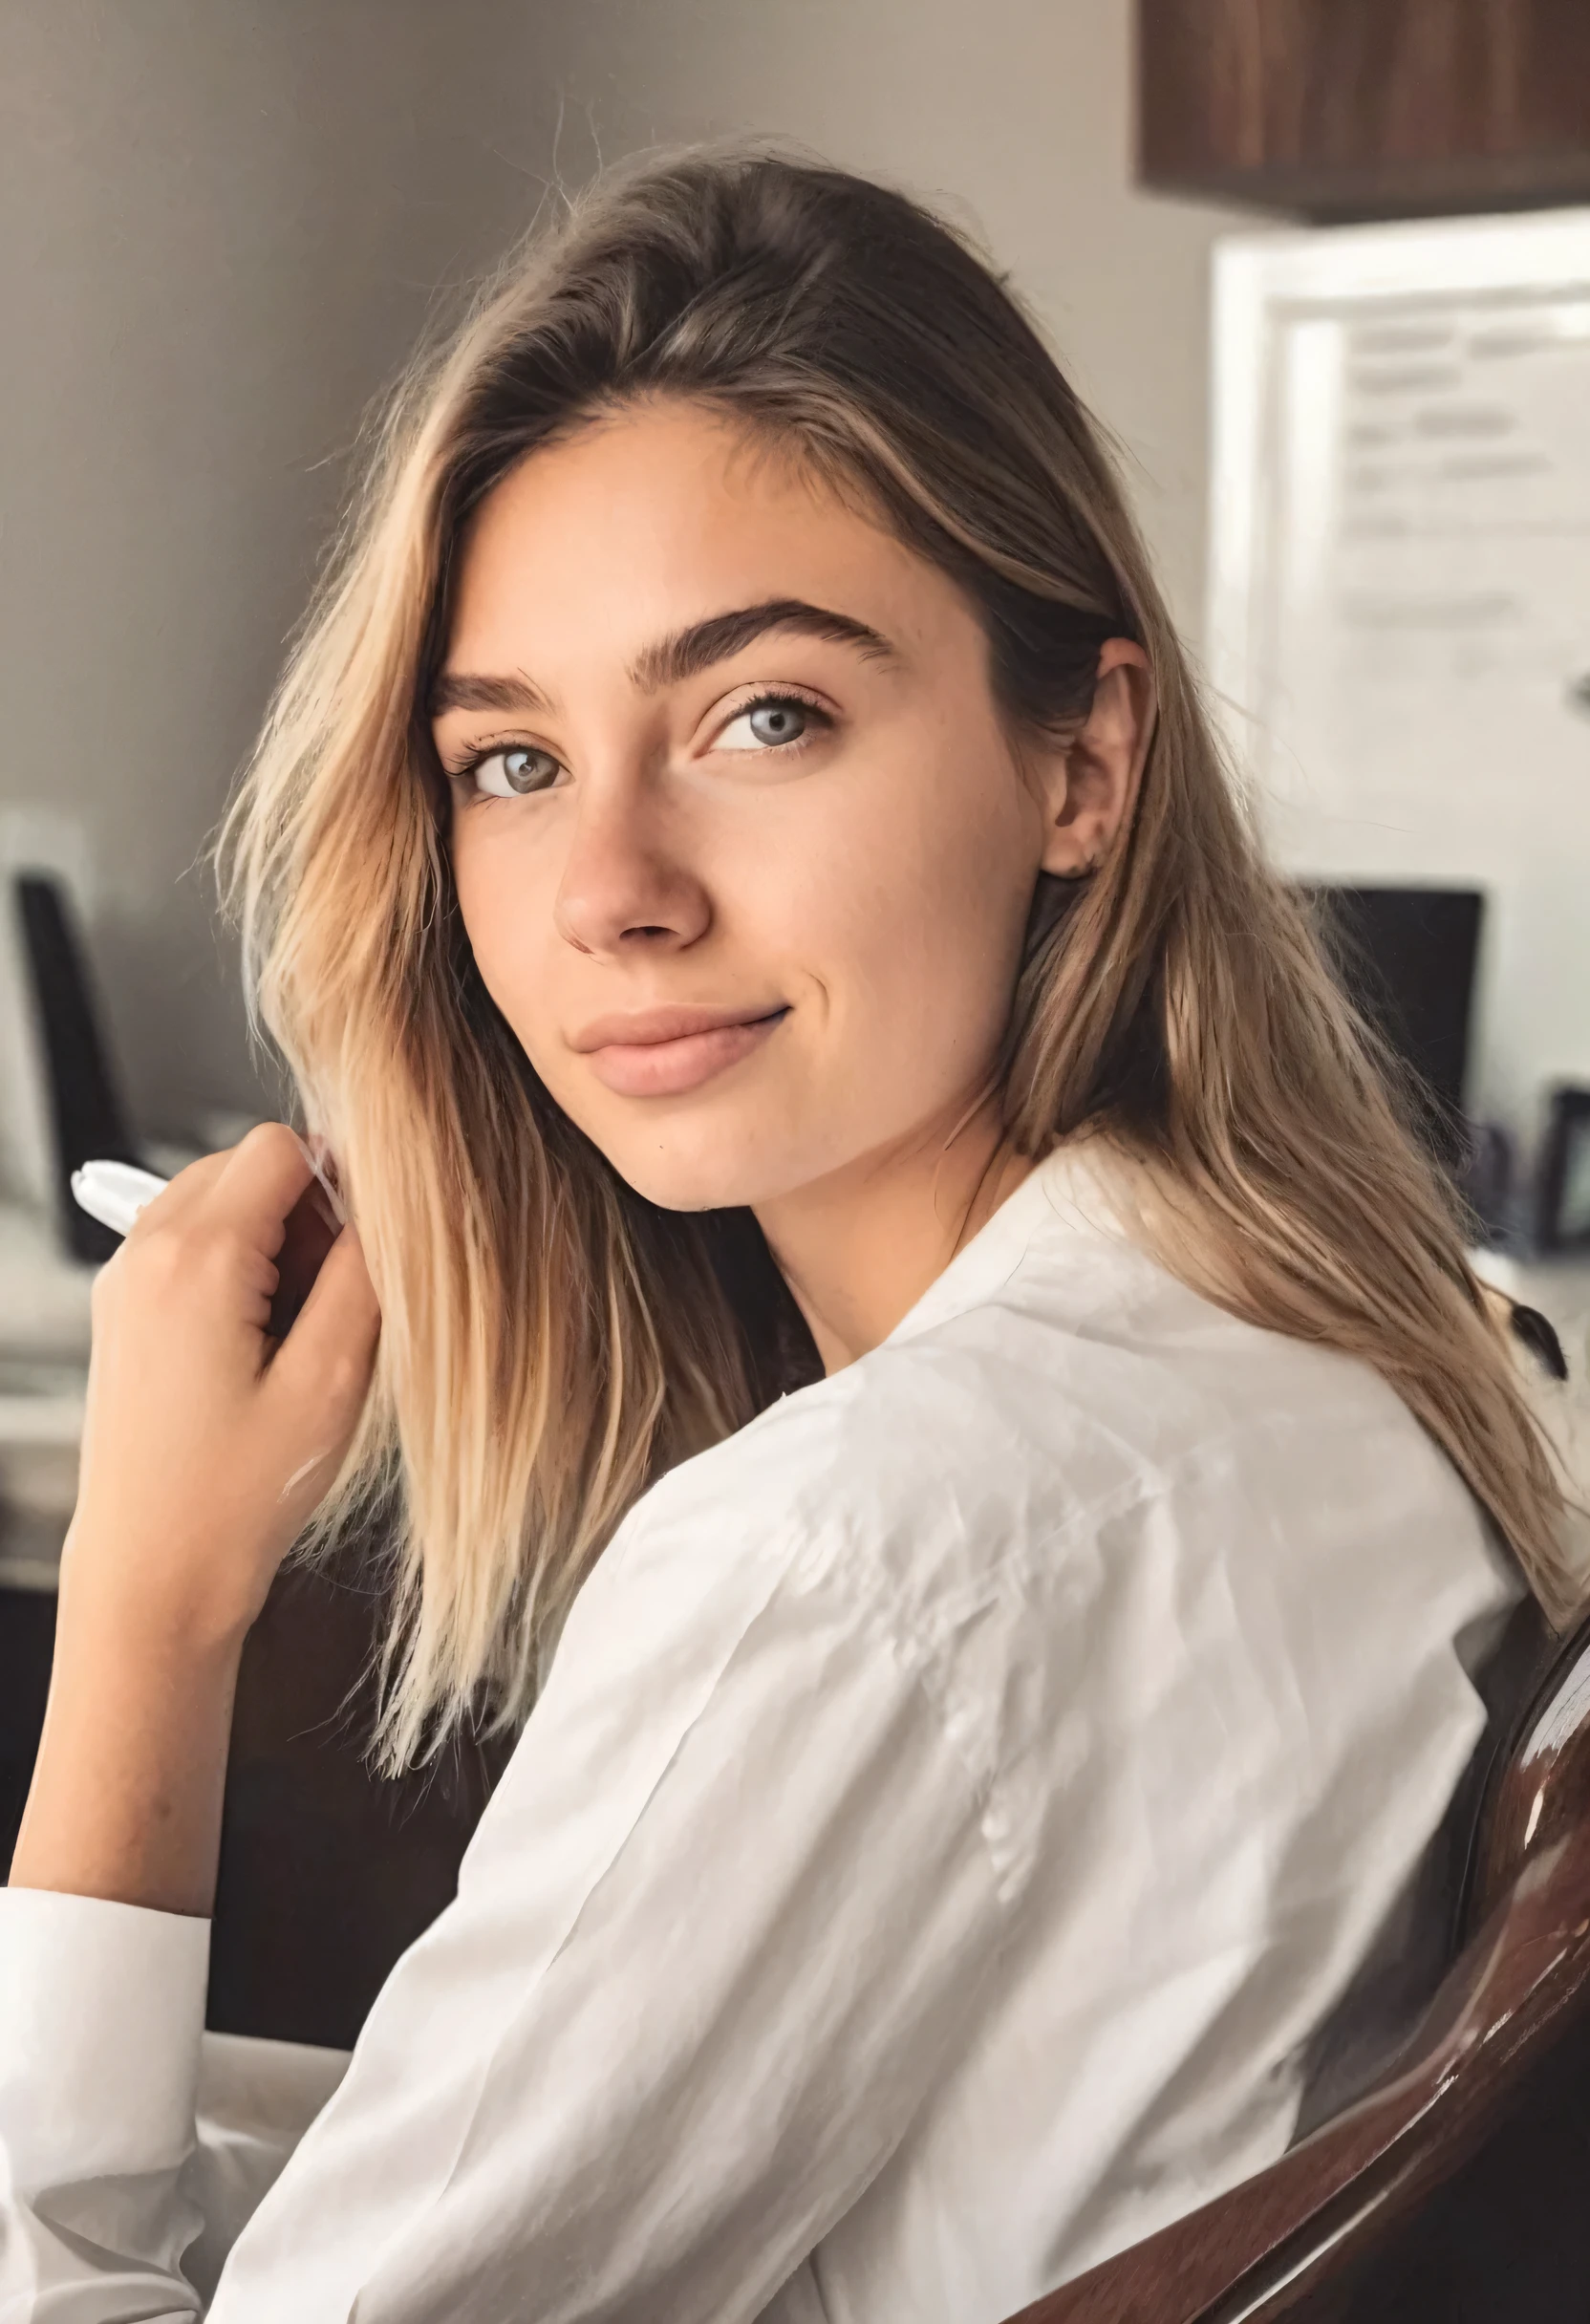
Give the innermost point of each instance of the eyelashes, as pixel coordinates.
(773, 706)
(778, 721)
(494, 774)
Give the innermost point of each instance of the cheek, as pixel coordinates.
(922, 913)
(506, 907)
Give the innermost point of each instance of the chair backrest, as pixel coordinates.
(1517, 1983)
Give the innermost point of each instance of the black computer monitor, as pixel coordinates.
(88, 1120)
(1407, 956)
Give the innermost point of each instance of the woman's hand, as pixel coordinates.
(206, 1447)
(206, 1443)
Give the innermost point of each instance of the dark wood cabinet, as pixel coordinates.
(27, 1643)
(327, 1871)
(1352, 109)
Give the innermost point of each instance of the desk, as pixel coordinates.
(44, 1339)
(41, 1424)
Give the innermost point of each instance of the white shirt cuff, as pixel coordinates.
(101, 2009)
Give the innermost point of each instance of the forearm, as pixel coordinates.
(126, 1794)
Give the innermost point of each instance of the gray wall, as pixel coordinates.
(1015, 115)
(222, 225)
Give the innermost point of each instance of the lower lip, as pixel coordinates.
(667, 1068)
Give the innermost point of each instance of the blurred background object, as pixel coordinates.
(1399, 602)
(1336, 110)
(222, 225)
(1562, 1216)
(88, 1121)
(1408, 955)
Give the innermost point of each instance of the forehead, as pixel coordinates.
(652, 517)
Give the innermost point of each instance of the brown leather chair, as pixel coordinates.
(1521, 1977)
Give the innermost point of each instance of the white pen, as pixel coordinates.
(115, 1191)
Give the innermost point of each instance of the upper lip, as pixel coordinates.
(643, 1029)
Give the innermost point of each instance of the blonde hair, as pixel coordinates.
(550, 1341)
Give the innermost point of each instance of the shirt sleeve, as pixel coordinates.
(719, 1930)
(101, 2009)
(133, 2145)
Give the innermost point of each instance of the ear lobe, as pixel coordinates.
(1092, 780)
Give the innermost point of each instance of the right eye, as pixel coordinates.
(514, 772)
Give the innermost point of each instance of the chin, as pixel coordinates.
(718, 1161)
(686, 1181)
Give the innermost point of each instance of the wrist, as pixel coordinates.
(126, 1801)
(144, 1604)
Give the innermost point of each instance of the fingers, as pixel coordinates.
(327, 1354)
(228, 1223)
(259, 1182)
(186, 1192)
(252, 1186)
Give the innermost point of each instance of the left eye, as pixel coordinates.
(510, 774)
(767, 726)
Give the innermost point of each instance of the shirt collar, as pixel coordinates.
(1068, 1193)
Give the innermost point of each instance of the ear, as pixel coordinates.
(1089, 781)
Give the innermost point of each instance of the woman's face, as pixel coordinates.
(742, 848)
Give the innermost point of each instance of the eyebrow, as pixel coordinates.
(466, 690)
(689, 651)
(673, 659)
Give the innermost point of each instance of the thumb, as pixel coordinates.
(326, 1358)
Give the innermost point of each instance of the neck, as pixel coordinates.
(859, 1247)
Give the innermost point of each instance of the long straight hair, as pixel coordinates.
(551, 1341)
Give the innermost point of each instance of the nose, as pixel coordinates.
(626, 885)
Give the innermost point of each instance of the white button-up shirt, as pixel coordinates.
(955, 1803)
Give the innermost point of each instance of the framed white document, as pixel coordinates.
(1400, 587)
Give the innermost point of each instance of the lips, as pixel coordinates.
(666, 1051)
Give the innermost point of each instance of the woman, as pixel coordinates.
(909, 1329)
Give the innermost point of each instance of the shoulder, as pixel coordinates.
(1072, 1384)
(1073, 1508)
(1079, 1460)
